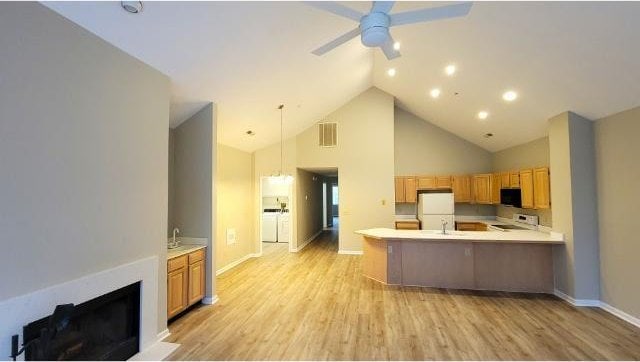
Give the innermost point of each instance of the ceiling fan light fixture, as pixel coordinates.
(375, 29)
(133, 7)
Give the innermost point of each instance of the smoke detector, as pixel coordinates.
(132, 7)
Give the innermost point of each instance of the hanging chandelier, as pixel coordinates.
(281, 178)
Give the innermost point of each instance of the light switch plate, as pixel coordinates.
(231, 236)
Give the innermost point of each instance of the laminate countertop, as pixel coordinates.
(510, 236)
(182, 250)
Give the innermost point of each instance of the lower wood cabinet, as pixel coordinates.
(470, 226)
(176, 291)
(185, 281)
(407, 225)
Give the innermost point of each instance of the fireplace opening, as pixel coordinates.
(104, 328)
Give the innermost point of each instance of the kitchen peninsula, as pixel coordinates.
(519, 260)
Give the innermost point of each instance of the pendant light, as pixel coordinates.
(281, 177)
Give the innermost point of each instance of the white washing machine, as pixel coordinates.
(270, 226)
(283, 227)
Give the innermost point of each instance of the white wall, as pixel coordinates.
(618, 172)
(83, 153)
(194, 164)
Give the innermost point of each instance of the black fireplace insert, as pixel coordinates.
(104, 328)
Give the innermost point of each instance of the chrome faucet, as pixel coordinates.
(174, 244)
(444, 226)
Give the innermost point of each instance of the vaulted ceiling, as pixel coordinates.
(248, 57)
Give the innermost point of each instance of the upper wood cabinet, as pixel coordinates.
(461, 187)
(482, 188)
(399, 185)
(496, 185)
(443, 182)
(541, 195)
(526, 188)
(505, 180)
(405, 189)
(514, 179)
(410, 190)
(426, 182)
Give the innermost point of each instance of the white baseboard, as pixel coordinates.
(236, 263)
(156, 352)
(210, 300)
(306, 242)
(350, 252)
(576, 302)
(620, 314)
(164, 334)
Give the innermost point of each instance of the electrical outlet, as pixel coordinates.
(231, 236)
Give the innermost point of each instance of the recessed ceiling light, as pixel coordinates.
(450, 69)
(132, 7)
(391, 72)
(396, 45)
(435, 93)
(509, 96)
(483, 114)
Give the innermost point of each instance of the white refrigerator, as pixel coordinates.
(433, 208)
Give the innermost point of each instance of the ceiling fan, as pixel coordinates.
(374, 26)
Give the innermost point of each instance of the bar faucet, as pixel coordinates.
(175, 243)
(444, 226)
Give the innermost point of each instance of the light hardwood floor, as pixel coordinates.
(316, 305)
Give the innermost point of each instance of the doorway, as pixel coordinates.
(276, 210)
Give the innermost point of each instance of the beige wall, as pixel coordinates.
(171, 189)
(364, 153)
(618, 172)
(422, 148)
(528, 155)
(364, 157)
(194, 165)
(84, 158)
(235, 205)
(573, 191)
(309, 196)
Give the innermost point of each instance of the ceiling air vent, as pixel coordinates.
(327, 134)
